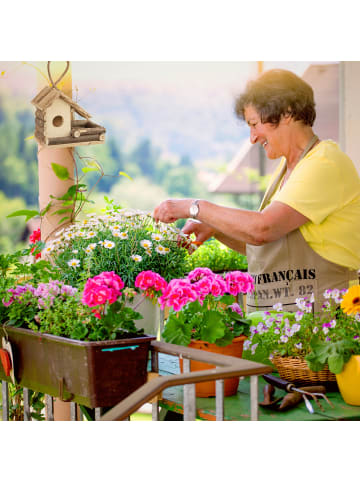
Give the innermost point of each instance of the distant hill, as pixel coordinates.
(202, 127)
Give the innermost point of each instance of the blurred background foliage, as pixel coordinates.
(153, 177)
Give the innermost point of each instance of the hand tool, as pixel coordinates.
(304, 391)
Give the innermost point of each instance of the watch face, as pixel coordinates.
(194, 209)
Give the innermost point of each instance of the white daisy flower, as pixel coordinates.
(123, 235)
(116, 234)
(57, 234)
(116, 227)
(69, 235)
(146, 244)
(157, 237)
(90, 234)
(80, 234)
(102, 243)
(48, 248)
(136, 257)
(108, 244)
(75, 251)
(74, 263)
(161, 249)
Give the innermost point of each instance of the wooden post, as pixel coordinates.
(50, 184)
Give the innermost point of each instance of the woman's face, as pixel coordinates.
(270, 136)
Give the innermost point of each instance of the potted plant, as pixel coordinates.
(79, 345)
(217, 257)
(121, 240)
(204, 314)
(307, 347)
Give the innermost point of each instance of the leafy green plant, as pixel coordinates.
(218, 257)
(203, 306)
(326, 338)
(16, 403)
(62, 310)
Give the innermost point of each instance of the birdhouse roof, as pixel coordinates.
(49, 94)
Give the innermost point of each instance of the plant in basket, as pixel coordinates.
(309, 346)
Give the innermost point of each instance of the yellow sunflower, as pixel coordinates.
(351, 301)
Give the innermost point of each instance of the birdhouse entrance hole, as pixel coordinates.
(58, 121)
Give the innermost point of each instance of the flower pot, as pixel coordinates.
(94, 374)
(151, 315)
(296, 370)
(349, 381)
(208, 389)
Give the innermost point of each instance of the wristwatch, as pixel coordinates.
(194, 208)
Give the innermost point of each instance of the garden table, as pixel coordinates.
(237, 407)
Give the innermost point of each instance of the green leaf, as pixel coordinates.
(121, 173)
(63, 219)
(176, 331)
(213, 327)
(24, 212)
(60, 171)
(46, 209)
(89, 169)
(336, 363)
(62, 211)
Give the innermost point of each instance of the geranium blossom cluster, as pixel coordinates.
(45, 293)
(103, 288)
(202, 283)
(34, 237)
(151, 283)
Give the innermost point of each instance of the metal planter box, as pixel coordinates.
(94, 374)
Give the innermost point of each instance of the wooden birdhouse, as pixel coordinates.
(55, 125)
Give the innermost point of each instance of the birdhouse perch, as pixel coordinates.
(55, 125)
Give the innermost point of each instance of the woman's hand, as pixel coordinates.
(172, 209)
(202, 231)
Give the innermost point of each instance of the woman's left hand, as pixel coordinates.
(172, 209)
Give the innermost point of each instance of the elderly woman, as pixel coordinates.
(305, 238)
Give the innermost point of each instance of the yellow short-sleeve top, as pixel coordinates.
(325, 187)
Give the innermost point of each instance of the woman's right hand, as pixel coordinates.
(201, 230)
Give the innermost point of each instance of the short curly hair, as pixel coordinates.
(275, 93)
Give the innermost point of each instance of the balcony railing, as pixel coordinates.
(225, 367)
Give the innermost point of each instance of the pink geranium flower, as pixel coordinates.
(177, 294)
(147, 280)
(239, 282)
(199, 273)
(105, 287)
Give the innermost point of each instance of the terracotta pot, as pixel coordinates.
(207, 389)
(349, 381)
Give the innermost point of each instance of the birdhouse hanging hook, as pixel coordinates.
(61, 76)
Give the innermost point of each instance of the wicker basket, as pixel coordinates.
(297, 371)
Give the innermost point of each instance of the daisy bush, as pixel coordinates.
(124, 241)
(329, 337)
(204, 306)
